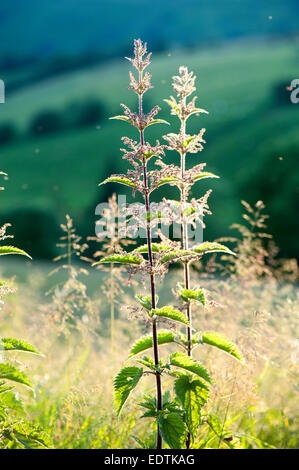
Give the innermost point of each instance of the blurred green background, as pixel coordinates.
(65, 73)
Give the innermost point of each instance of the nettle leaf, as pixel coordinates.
(156, 248)
(9, 372)
(188, 140)
(177, 255)
(119, 179)
(193, 294)
(157, 121)
(125, 381)
(146, 342)
(168, 180)
(117, 258)
(29, 436)
(171, 313)
(146, 301)
(173, 430)
(12, 250)
(212, 247)
(197, 111)
(147, 362)
(12, 344)
(221, 342)
(122, 118)
(192, 394)
(173, 104)
(9, 400)
(203, 175)
(150, 404)
(170, 255)
(185, 362)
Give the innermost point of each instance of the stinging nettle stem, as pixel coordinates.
(152, 277)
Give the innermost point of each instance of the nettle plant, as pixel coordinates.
(178, 414)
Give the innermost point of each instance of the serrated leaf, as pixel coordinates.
(125, 381)
(9, 372)
(177, 255)
(29, 436)
(221, 342)
(212, 247)
(173, 104)
(185, 362)
(121, 118)
(147, 362)
(173, 430)
(12, 344)
(168, 180)
(156, 248)
(146, 342)
(8, 400)
(193, 294)
(192, 394)
(203, 175)
(120, 180)
(157, 121)
(172, 314)
(116, 258)
(197, 111)
(146, 301)
(12, 250)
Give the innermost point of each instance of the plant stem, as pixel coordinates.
(186, 247)
(152, 278)
(112, 314)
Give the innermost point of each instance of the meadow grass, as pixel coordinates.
(255, 404)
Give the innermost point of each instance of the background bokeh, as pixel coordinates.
(65, 73)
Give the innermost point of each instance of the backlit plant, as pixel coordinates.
(178, 414)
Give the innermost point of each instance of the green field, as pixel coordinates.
(250, 126)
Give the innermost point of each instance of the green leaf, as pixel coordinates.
(170, 255)
(9, 400)
(157, 121)
(221, 342)
(156, 248)
(185, 362)
(177, 255)
(146, 342)
(12, 344)
(12, 250)
(212, 247)
(192, 394)
(197, 111)
(29, 436)
(122, 118)
(125, 381)
(193, 294)
(173, 104)
(168, 180)
(173, 430)
(119, 179)
(147, 362)
(171, 313)
(124, 259)
(203, 175)
(146, 301)
(9, 372)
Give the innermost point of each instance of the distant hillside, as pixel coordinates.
(41, 28)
